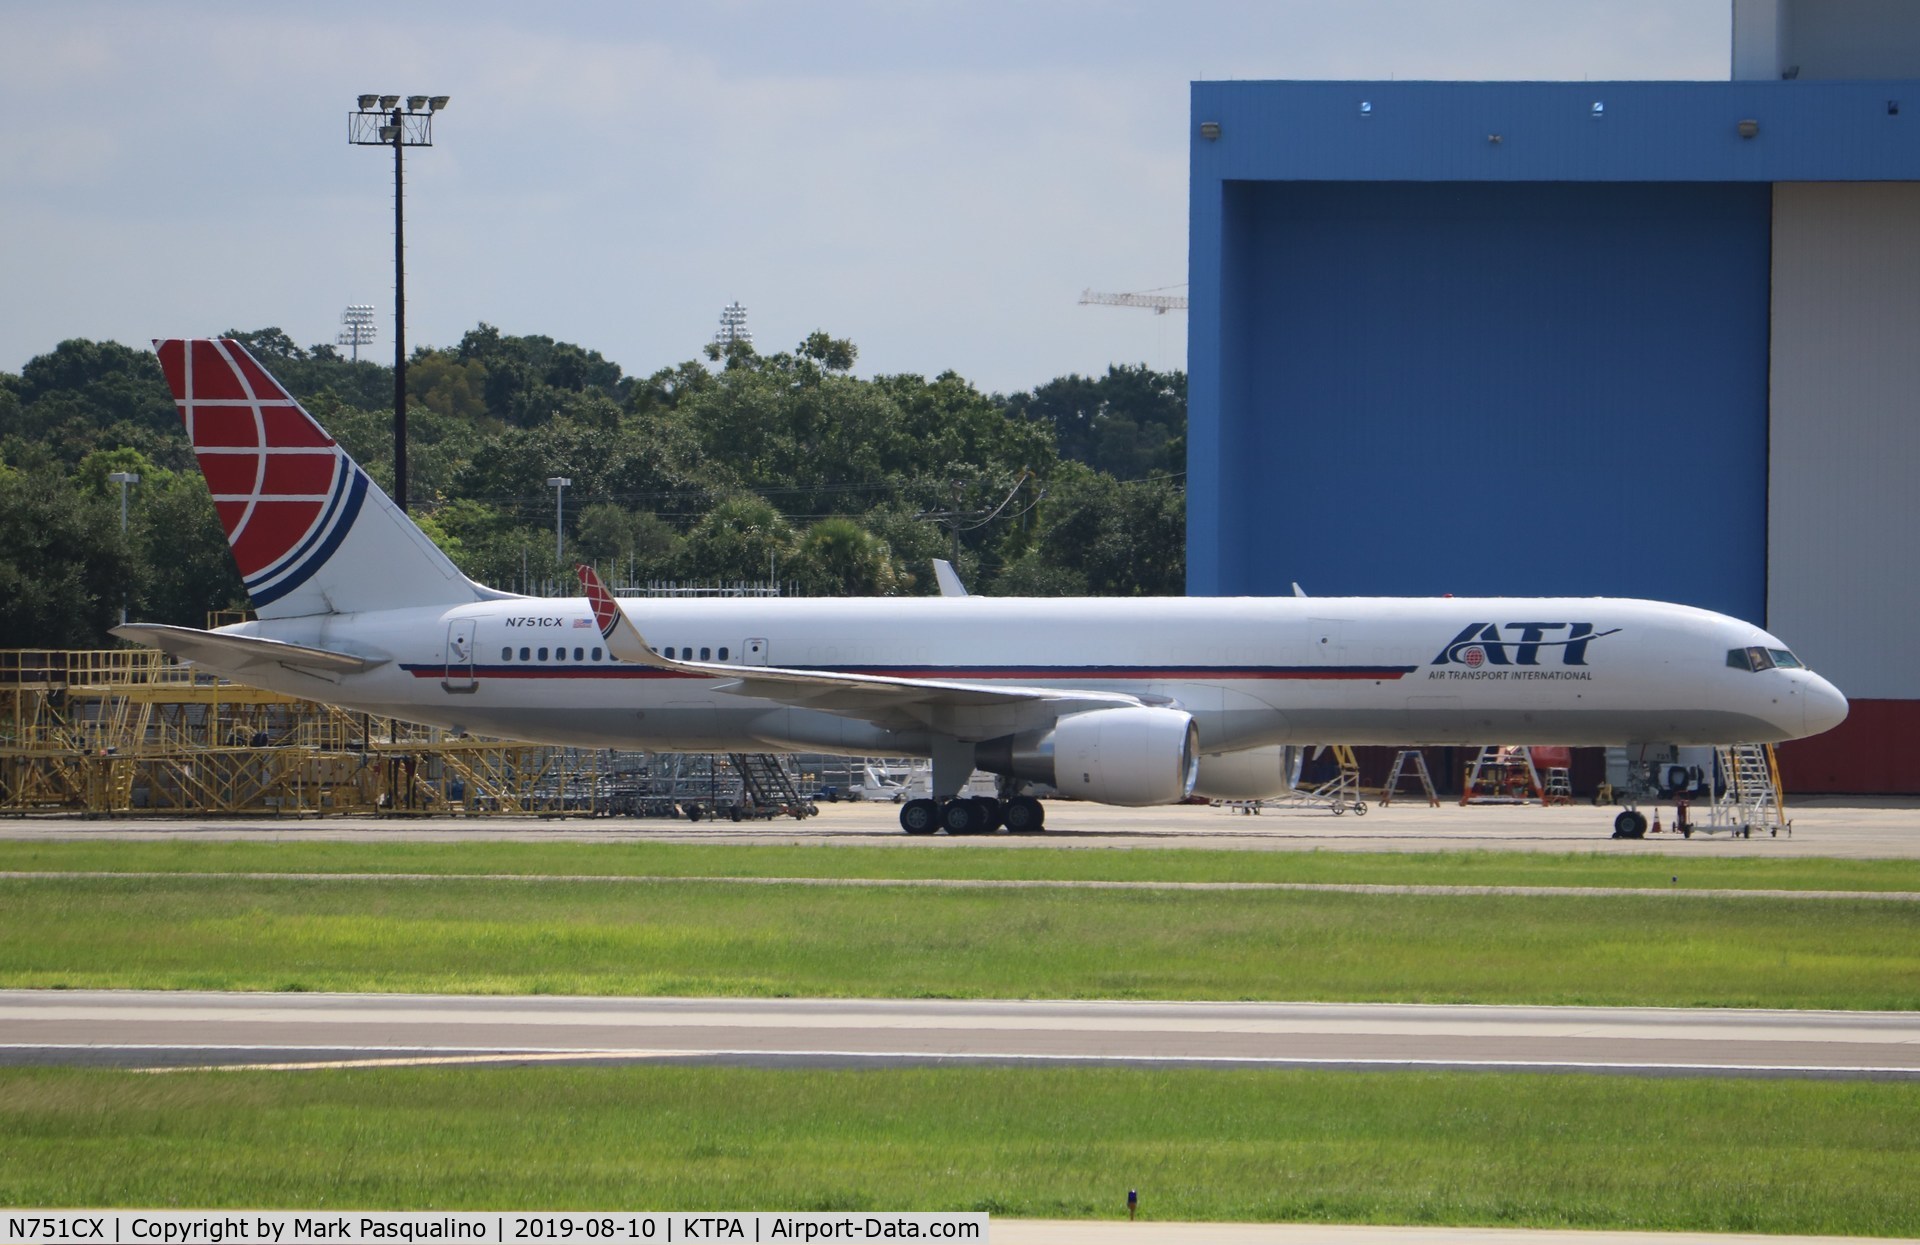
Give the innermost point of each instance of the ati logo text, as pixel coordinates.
(1483, 644)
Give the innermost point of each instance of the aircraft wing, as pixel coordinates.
(231, 653)
(965, 710)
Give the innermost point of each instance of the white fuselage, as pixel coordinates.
(1251, 671)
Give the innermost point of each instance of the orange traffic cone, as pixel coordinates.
(1656, 821)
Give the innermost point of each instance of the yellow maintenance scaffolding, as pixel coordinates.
(116, 732)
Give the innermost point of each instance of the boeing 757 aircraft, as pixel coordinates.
(1132, 702)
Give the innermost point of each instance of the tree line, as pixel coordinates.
(741, 466)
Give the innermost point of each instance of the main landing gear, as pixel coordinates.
(974, 815)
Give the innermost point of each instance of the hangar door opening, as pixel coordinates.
(1497, 388)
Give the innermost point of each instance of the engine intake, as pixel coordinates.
(1134, 756)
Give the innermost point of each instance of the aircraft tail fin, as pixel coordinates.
(310, 532)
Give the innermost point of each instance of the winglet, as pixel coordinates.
(623, 638)
(948, 578)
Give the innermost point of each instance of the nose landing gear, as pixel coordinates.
(1630, 824)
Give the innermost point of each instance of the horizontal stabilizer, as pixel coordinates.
(225, 652)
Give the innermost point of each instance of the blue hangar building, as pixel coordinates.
(1653, 339)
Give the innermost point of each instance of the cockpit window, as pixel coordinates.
(1760, 658)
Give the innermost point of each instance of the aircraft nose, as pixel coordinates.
(1825, 707)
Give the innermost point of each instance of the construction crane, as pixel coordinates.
(1160, 303)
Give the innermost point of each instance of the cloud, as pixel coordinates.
(936, 180)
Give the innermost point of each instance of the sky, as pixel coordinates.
(937, 181)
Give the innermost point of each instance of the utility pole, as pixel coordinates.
(957, 519)
(379, 121)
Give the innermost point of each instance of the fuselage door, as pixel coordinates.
(755, 650)
(460, 646)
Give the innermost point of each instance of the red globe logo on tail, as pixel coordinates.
(285, 492)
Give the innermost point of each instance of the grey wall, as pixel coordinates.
(1826, 39)
(1843, 558)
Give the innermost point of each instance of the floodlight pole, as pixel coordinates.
(399, 319)
(123, 479)
(380, 121)
(558, 484)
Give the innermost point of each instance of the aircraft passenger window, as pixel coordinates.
(723, 652)
(579, 654)
(596, 654)
(543, 654)
(523, 654)
(1785, 660)
(560, 654)
(506, 654)
(706, 654)
(669, 652)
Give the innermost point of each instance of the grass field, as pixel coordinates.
(726, 938)
(1555, 1151)
(616, 859)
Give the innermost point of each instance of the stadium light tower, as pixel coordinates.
(733, 327)
(380, 121)
(356, 327)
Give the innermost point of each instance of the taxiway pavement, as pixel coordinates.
(1845, 829)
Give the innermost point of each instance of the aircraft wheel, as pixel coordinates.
(1024, 815)
(963, 816)
(1630, 825)
(993, 814)
(919, 816)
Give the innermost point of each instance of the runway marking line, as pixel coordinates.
(430, 1056)
(1349, 888)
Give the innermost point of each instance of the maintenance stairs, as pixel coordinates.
(1752, 798)
(767, 786)
(1502, 774)
(1340, 792)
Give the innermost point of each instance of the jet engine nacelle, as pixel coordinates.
(1135, 756)
(1253, 774)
